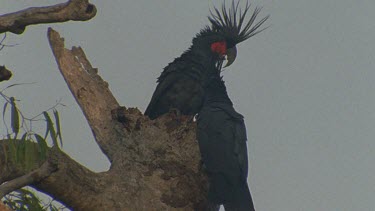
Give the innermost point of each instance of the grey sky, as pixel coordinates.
(305, 87)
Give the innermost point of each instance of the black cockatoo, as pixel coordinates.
(180, 84)
(221, 135)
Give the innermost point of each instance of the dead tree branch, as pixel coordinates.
(5, 74)
(155, 165)
(59, 176)
(35, 176)
(151, 161)
(87, 87)
(76, 10)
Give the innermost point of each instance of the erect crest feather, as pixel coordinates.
(231, 23)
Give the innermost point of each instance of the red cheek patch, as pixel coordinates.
(219, 47)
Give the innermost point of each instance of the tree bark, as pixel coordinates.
(155, 164)
(77, 10)
(3, 207)
(5, 74)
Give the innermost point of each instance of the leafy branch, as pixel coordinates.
(20, 121)
(24, 152)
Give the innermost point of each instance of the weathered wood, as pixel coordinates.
(5, 74)
(76, 10)
(91, 93)
(155, 164)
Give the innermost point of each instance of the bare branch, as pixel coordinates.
(76, 10)
(5, 74)
(59, 176)
(35, 176)
(87, 87)
(157, 161)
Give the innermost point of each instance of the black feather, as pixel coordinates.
(225, 22)
(221, 135)
(180, 84)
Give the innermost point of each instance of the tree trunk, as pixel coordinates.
(155, 164)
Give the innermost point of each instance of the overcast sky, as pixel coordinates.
(305, 86)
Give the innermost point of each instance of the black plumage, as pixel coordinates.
(221, 135)
(180, 83)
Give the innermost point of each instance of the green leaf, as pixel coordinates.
(4, 110)
(28, 152)
(48, 128)
(25, 200)
(19, 201)
(47, 132)
(43, 148)
(58, 127)
(22, 191)
(13, 150)
(24, 136)
(30, 155)
(34, 202)
(15, 119)
(51, 129)
(21, 146)
(52, 208)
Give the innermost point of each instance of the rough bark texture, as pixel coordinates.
(77, 10)
(34, 176)
(155, 164)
